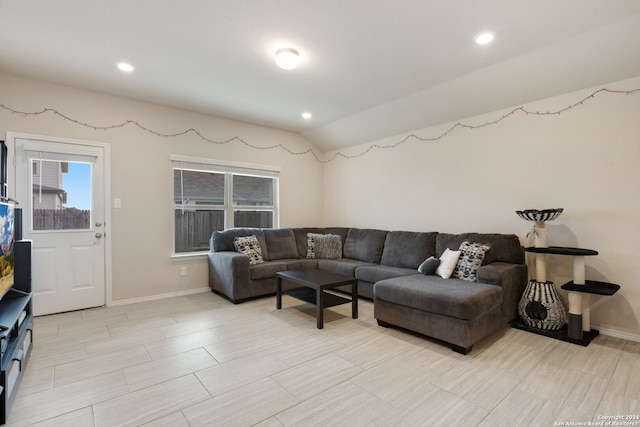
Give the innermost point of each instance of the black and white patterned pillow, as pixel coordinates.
(324, 246)
(249, 246)
(471, 257)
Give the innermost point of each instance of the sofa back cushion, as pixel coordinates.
(223, 240)
(301, 236)
(504, 247)
(281, 243)
(407, 249)
(364, 244)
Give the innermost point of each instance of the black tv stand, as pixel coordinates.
(16, 334)
(18, 291)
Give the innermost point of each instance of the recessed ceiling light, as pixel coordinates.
(287, 58)
(306, 115)
(484, 38)
(125, 67)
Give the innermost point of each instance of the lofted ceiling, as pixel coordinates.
(369, 68)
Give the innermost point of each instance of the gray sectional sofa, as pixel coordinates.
(385, 263)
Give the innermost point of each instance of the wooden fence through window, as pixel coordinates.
(61, 219)
(194, 227)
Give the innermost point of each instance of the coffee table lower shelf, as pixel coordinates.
(309, 295)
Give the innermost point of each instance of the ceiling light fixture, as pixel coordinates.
(306, 115)
(287, 58)
(125, 67)
(484, 38)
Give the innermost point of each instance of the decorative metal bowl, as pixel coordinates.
(539, 215)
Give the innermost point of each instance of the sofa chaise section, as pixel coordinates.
(452, 310)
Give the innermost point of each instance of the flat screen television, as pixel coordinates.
(7, 255)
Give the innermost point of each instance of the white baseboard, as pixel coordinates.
(160, 296)
(617, 334)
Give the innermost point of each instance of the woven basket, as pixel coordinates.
(541, 307)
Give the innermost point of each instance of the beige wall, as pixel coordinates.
(141, 172)
(584, 160)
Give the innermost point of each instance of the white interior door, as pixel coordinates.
(60, 184)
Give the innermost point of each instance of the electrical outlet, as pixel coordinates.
(183, 271)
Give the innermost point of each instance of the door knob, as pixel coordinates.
(98, 235)
(98, 224)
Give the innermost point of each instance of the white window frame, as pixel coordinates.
(229, 169)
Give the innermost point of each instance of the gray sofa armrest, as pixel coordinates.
(229, 274)
(512, 278)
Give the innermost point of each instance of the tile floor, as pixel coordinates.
(202, 361)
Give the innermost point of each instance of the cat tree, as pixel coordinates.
(541, 307)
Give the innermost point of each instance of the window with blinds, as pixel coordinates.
(210, 195)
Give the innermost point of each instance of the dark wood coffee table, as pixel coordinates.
(315, 283)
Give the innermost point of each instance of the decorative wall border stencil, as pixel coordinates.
(318, 158)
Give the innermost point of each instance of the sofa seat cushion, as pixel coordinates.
(266, 270)
(449, 297)
(376, 273)
(344, 266)
(300, 264)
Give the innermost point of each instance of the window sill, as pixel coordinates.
(189, 255)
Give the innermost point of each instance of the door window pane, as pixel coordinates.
(61, 195)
